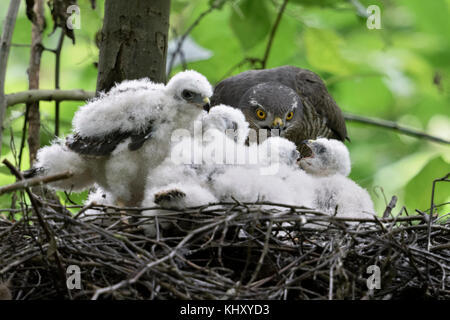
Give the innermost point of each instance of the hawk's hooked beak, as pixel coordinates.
(277, 123)
(207, 104)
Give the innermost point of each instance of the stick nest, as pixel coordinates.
(223, 251)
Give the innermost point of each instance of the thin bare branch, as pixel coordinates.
(272, 34)
(393, 126)
(5, 45)
(34, 182)
(48, 95)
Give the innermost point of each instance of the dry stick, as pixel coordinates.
(5, 45)
(393, 126)
(35, 181)
(263, 254)
(263, 61)
(174, 252)
(445, 179)
(272, 34)
(23, 138)
(48, 95)
(57, 76)
(214, 5)
(389, 207)
(50, 238)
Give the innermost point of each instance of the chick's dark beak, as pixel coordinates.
(306, 150)
(207, 104)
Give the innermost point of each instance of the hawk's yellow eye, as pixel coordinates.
(261, 114)
(290, 115)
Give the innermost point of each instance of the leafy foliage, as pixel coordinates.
(250, 22)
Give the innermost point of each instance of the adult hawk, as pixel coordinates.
(293, 100)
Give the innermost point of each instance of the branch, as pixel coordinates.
(214, 5)
(272, 34)
(81, 95)
(443, 179)
(45, 226)
(22, 184)
(57, 76)
(394, 126)
(5, 45)
(390, 207)
(48, 95)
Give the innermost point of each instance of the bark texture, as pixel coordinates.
(133, 41)
(33, 113)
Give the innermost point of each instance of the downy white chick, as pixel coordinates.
(274, 178)
(182, 180)
(330, 165)
(119, 136)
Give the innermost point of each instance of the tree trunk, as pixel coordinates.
(33, 114)
(133, 41)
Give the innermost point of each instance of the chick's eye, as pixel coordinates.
(320, 149)
(290, 115)
(261, 114)
(187, 94)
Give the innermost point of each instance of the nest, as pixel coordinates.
(222, 251)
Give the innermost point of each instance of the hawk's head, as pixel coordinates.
(271, 105)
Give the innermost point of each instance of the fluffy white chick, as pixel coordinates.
(271, 179)
(183, 179)
(124, 133)
(193, 158)
(329, 157)
(135, 85)
(330, 165)
(58, 158)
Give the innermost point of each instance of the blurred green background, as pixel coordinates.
(400, 72)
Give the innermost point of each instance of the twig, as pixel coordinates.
(48, 95)
(5, 45)
(151, 264)
(214, 5)
(389, 207)
(34, 181)
(272, 34)
(393, 126)
(360, 9)
(57, 76)
(443, 179)
(47, 229)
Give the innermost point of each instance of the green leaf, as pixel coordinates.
(250, 22)
(418, 190)
(323, 51)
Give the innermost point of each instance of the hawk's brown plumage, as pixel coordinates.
(321, 114)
